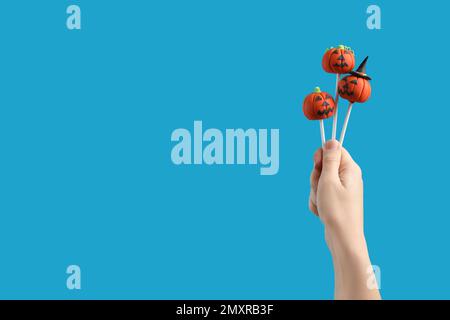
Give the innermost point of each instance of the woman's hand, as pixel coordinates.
(336, 197)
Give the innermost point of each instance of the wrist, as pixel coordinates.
(348, 242)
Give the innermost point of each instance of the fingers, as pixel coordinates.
(349, 170)
(346, 158)
(312, 205)
(314, 180)
(317, 169)
(331, 160)
(317, 158)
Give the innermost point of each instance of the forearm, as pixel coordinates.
(352, 266)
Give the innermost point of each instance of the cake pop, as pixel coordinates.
(355, 88)
(338, 60)
(319, 105)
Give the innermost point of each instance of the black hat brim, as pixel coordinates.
(360, 75)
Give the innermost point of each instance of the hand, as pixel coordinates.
(337, 192)
(336, 197)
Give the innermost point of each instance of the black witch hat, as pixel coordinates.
(361, 71)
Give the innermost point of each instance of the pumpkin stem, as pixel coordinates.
(341, 46)
(317, 90)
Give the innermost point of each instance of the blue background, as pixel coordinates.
(85, 170)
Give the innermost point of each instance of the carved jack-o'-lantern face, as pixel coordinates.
(354, 88)
(338, 60)
(318, 105)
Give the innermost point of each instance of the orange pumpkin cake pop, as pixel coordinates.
(356, 86)
(319, 105)
(338, 60)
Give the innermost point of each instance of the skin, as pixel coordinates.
(336, 197)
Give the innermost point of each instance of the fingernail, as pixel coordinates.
(332, 145)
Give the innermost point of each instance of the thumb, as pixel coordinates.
(331, 159)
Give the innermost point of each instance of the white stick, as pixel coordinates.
(344, 127)
(322, 132)
(336, 100)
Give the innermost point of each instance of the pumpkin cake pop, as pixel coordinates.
(319, 105)
(355, 88)
(338, 60)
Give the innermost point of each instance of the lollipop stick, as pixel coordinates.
(344, 128)
(322, 132)
(336, 100)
